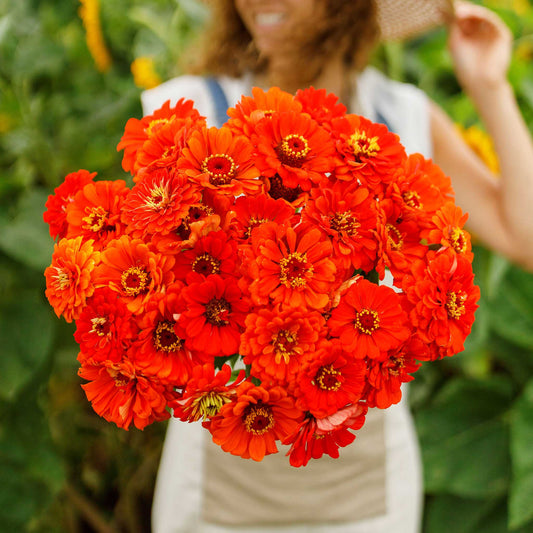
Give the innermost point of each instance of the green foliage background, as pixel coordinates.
(64, 469)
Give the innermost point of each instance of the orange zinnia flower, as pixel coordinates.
(95, 212)
(443, 299)
(217, 159)
(105, 327)
(369, 320)
(211, 213)
(312, 440)
(206, 393)
(399, 240)
(421, 188)
(250, 425)
(276, 340)
(158, 203)
(447, 230)
(158, 349)
(292, 266)
(214, 253)
(251, 212)
(70, 279)
(56, 205)
(213, 316)
(164, 147)
(294, 147)
(320, 105)
(122, 394)
(251, 109)
(138, 131)
(385, 376)
(129, 267)
(370, 152)
(329, 380)
(347, 214)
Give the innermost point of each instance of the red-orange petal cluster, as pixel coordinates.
(369, 320)
(250, 425)
(70, 279)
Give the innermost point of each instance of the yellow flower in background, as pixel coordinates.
(90, 15)
(524, 49)
(5, 123)
(144, 74)
(481, 144)
(520, 7)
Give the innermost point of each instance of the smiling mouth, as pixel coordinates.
(269, 19)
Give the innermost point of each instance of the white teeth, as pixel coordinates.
(269, 19)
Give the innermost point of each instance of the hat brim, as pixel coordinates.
(400, 19)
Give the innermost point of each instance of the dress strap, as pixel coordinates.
(219, 100)
(381, 119)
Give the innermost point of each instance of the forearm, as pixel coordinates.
(499, 111)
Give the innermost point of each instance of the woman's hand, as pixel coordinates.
(480, 44)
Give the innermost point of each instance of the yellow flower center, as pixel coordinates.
(412, 199)
(158, 198)
(61, 279)
(100, 326)
(455, 304)
(294, 268)
(394, 237)
(165, 340)
(284, 342)
(344, 223)
(135, 281)
(220, 167)
(156, 124)
(206, 264)
(120, 378)
(258, 419)
(207, 405)
(96, 218)
(362, 145)
(253, 223)
(293, 150)
(367, 321)
(326, 378)
(458, 240)
(395, 365)
(217, 312)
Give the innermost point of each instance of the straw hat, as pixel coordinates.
(399, 19)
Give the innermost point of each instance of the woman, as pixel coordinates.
(376, 484)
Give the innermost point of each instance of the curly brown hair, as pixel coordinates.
(349, 27)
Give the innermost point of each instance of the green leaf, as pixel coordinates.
(26, 237)
(465, 518)
(26, 334)
(464, 439)
(51, 56)
(31, 472)
(496, 521)
(512, 308)
(521, 493)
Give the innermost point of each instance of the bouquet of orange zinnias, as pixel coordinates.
(237, 282)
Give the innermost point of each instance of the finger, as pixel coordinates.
(471, 26)
(477, 21)
(466, 9)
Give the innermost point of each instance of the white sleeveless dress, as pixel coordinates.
(376, 484)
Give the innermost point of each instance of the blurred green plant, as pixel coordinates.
(474, 412)
(64, 469)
